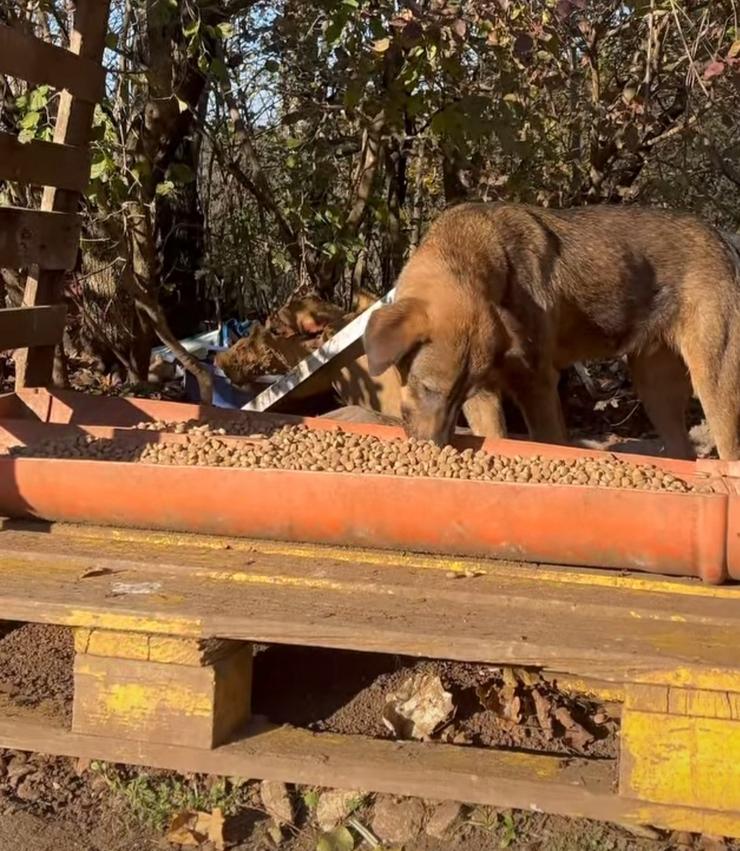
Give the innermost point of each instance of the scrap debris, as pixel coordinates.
(519, 696)
(418, 708)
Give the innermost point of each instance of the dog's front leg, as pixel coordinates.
(485, 414)
(536, 394)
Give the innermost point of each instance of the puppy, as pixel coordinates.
(262, 352)
(303, 316)
(501, 297)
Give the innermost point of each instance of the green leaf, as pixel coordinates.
(30, 120)
(111, 41)
(21, 101)
(218, 69)
(351, 3)
(377, 28)
(141, 170)
(311, 799)
(415, 105)
(339, 839)
(98, 168)
(26, 136)
(225, 29)
(165, 188)
(353, 94)
(39, 98)
(334, 30)
(191, 28)
(181, 173)
(292, 143)
(381, 45)
(118, 187)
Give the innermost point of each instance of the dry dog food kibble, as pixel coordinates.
(298, 447)
(244, 426)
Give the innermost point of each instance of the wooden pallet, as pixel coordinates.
(45, 242)
(163, 627)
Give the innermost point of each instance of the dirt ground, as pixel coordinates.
(60, 804)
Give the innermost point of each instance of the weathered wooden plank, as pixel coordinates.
(30, 326)
(470, 610)
(573, 787)
(44, 163)
(38, 238)
(33, 367)
(39, 63)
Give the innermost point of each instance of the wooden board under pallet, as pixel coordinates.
(570, 787)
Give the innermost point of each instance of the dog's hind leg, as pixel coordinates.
(713, 359)
(662, 382)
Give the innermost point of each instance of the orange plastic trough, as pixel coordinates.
(682, 534)
(663, 532)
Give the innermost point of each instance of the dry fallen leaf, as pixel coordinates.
(192, 828)
(216, 829)
(543, 710)
(510, 678)
(512, 706)
(82, 765)
(418, 708)
(525, 677)
(575, 734)
(504, 701)
(182, 831)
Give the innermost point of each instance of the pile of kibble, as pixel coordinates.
(298, 447)
(244, 426)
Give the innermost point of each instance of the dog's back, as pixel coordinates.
(627, 273)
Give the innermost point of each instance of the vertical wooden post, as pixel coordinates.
(73, 127)
(681, 746)
(160, 689)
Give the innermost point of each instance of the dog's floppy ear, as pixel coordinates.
(393, 331)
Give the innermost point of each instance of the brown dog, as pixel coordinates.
(501, 297)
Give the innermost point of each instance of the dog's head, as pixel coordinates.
(444, 353)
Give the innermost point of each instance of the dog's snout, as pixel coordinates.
(435, 429)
